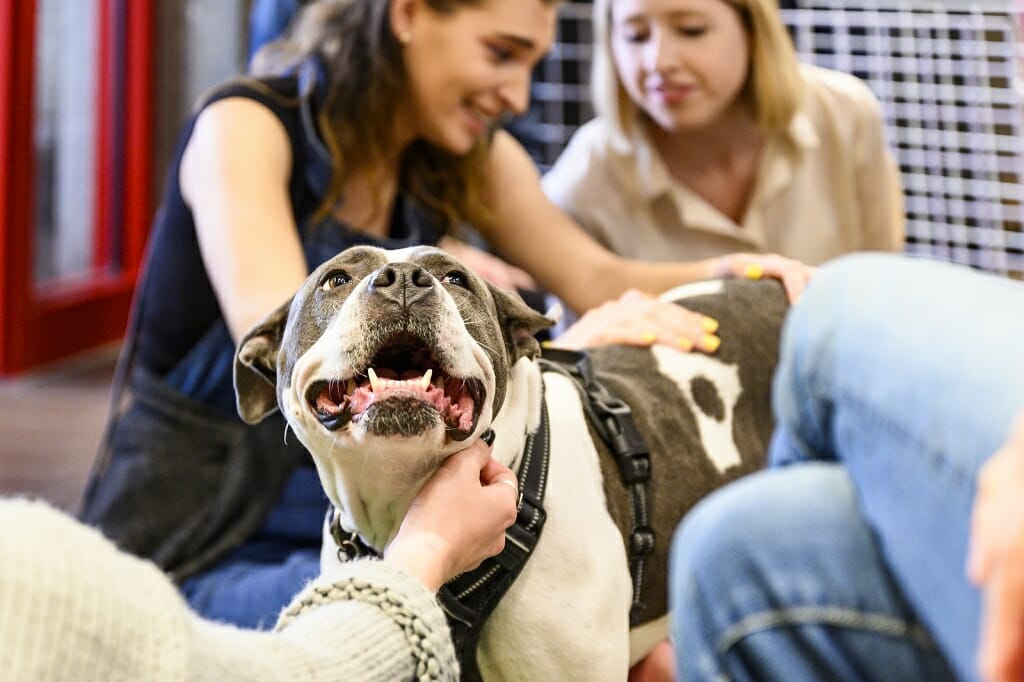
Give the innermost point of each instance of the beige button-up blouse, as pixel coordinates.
(826, 187)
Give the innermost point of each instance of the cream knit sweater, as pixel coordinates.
(73, 607)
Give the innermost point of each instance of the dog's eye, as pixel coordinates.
(457, 278)
(335, 279)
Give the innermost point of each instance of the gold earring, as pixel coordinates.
(404, 37)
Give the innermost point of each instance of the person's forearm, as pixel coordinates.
(617, 276)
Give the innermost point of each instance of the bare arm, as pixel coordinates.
(533, 233)
(536, 235)
(234, 176)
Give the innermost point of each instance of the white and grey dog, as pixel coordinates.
(384, 363)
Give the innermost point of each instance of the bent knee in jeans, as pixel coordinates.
(777, 577)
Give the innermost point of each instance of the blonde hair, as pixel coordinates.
(774, 84)
(365, 80)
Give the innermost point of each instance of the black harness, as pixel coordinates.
(613, 421)
(470, 598)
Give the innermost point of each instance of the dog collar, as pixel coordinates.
(350, 545)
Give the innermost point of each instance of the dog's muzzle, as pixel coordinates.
(404, 389)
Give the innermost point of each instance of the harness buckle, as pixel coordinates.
(641, 541)
(519, 542)
(623, 438)
(635, 468)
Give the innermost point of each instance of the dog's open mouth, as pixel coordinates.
(406, 372)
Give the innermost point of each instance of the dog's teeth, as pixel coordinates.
(352, 386)
(439, 383)
(425, 381)
(374, 381)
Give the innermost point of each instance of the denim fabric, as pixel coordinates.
(901, 376)
(250, 592)
(777, 577)
(251, 585)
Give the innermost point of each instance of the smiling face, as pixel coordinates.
(682, 62)
(468, 68)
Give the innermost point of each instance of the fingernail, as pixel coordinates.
(488, 436)
(710, 343)
(684, 343)
(709, 324)
(648, 337)
(754, 271)
(546, 344)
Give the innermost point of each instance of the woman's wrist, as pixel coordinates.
(422, 558)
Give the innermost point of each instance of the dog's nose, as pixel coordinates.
(401, 273)
(402, 281)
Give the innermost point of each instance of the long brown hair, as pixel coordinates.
(365, 80)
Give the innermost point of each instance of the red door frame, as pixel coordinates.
(39, 326)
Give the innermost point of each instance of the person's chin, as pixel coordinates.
(683, 121)
(457, 142)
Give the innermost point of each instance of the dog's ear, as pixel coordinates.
(256, 367)
(519, 322)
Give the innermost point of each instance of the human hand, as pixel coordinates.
(657, 666)
(995, 560)
(490, 267)
(435, 544)
(793, 274)
(637, 319)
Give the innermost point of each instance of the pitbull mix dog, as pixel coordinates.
(384, 363)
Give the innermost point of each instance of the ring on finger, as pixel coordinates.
(510, 483)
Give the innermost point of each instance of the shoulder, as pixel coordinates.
(841, 107)
(587, 166)
(838, 93)
(271, 103)
(279, 93)
(235, 120)
(234, 137)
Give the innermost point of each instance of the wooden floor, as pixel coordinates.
(50, 425)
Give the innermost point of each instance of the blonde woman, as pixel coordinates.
(711, 138)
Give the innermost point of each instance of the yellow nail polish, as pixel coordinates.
(754, 271)
(710, 343)
(546, 344)
(648, 337)
(709, 324)
(684, 343)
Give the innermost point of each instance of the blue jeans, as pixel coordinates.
(845, 560)
(251, 585)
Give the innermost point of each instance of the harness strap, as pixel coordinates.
(469, 599)
(613, 421)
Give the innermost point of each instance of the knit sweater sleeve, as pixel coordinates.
(74, 607)
(369, 621)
